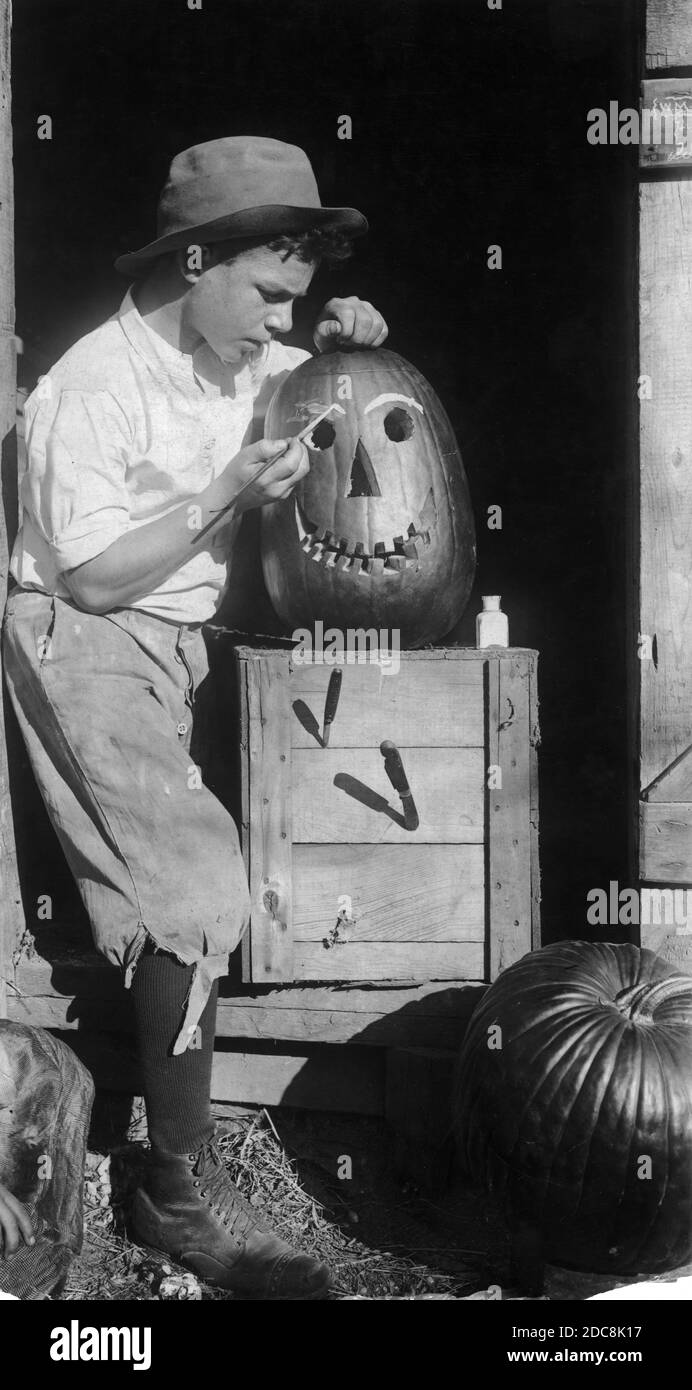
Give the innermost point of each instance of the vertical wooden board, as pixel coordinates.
(668, 34)
(10, 900)
(673, 945)
(534, 741)
(675, 784)
(269, 819)
(666, 473)
(243, 790)
(510, 903)
(665, 842)
(666, 136)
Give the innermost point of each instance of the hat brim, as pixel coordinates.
(270, 220)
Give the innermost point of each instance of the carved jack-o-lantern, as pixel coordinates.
(380, 533)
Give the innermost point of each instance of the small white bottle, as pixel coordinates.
(492, 627)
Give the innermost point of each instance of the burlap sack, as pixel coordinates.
(46, 1096)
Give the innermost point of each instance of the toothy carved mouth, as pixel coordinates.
(341, 553)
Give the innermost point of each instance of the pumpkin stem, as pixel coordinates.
(640, 1001)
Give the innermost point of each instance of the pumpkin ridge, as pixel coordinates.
(532, 1100)
(632, 1039)
(563, 1083)
(608, 1041)
(663, 1074)
(626, 1119)
(616, 1043)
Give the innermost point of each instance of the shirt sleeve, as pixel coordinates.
(74, 488)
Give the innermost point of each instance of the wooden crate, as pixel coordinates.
(439, 912)
(455, 899)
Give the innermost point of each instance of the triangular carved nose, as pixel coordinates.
(363, 480)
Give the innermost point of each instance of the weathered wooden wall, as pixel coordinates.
(668, 34)
(665, 359)
(10, 903)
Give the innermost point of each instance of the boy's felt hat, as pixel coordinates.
(239, 186)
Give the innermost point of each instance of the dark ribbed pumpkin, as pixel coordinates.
(380, 534)
(592, 1076)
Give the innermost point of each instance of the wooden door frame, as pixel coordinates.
(663, 680)
(11, 913)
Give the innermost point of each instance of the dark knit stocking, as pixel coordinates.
(176, 1089)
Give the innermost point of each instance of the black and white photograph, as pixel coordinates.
(346, 736)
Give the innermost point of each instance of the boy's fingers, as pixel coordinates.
(10, 1229)
(266, 449)
(294, 461)
(15, 1219)
(23, 1221)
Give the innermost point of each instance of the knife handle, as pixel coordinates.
(394, 767)
(330, 704)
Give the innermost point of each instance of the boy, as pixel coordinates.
(137, 440)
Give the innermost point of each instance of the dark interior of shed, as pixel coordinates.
(466, 132)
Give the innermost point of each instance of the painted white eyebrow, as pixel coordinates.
(392, 396)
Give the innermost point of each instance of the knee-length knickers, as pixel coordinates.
(105, 704)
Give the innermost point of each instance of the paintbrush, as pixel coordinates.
(304, 434)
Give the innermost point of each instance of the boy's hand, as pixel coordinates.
(351, 323)
(278, 481)
(15, 1224)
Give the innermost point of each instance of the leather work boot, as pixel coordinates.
(188, 1208)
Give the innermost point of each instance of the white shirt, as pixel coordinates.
(124, 429)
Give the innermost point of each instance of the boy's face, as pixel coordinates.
(238, 307)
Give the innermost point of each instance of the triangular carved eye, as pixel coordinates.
(363, 480)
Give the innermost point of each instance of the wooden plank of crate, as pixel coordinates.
(343, 1079)
(394, 892)
(386, 960)
(510, 902)
(371, 705)
(447, 786)
(665, 841)
(48, 979)
(246, 652)
(434, 1015)
(58, 1011)
(328, 1079)
(665, 476)
(238, 700)
(91, 976)
(534, 740)
(668, 34)
(258, 1022)
(269, 808)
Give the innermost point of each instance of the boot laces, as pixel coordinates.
(221, 1194)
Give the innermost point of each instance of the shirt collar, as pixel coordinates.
(203, 367)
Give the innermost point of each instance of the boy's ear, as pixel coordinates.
(193, 260)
